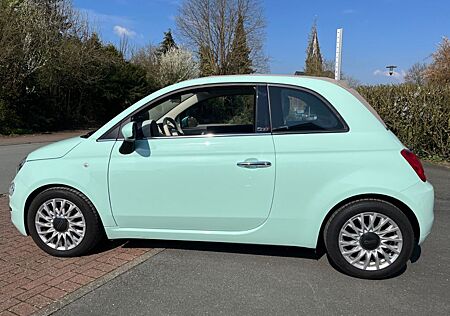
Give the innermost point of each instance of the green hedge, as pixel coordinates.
(418, 115)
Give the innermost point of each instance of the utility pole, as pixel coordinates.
(338, 61)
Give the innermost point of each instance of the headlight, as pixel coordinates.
(21, 163)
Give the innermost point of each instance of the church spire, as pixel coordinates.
(314, 62)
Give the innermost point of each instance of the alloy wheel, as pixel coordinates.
(60, 224)
(370, 241)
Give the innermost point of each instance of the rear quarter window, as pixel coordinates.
(301, 111)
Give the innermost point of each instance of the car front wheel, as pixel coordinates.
(63, 222)
(369, 238)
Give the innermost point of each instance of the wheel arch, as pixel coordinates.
(320, 246)
(40, 189)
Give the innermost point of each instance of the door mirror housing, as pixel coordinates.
(189, 122)
(129, 132)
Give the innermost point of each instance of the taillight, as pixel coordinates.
(415, 163)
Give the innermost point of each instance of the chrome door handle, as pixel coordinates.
(254, 164)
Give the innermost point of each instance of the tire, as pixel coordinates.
(73, 210)
(384, 248)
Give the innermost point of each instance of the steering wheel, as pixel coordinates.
(169, 124)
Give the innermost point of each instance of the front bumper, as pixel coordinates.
(17, 206)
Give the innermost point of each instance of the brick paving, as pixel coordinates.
(30, 279)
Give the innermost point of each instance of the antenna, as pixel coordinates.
(338, 61)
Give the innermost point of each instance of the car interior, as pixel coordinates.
(201, 112)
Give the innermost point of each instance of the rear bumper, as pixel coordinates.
(420, 198)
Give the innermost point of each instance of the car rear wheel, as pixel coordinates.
(63, 222)
(369, 238)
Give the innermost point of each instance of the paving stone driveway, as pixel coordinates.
(31, 280)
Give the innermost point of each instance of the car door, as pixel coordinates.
(214, 181)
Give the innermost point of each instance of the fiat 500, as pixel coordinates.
(274, 160)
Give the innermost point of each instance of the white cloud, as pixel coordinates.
(123, 31)
(399, 75)
(105, 22)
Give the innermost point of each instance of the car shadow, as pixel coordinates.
(251, 249)
(263, 250)
(106, 245)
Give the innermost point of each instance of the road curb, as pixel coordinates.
(66, 300)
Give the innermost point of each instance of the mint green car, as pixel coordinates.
(280, 160)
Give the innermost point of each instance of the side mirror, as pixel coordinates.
(184, 122)
(189, 121)
(129, 132)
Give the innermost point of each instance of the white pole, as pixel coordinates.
(338, 61)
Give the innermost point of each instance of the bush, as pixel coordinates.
(175, 65)
(418, 115)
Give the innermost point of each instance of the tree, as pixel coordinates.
(239, 59)
(416, 74)
(328, 71)
(207, 63)
(30, 34)
(55, 73)
(147, 58)
(176, 65)
(121, 83)
(167, 44)
(314, 61)
(328, 68)
(439, 70)
(124, 46)
(351, 81)
(209, 28)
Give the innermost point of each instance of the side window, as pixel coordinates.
(202, 111)
(220, 111)
(161, 108)
(300, 111)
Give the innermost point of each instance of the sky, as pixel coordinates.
(376, 33)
